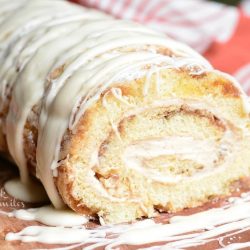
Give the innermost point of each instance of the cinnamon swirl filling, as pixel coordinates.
(164, 145)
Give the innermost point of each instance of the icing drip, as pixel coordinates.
(32, 191)
(64, 26)
(180, 233)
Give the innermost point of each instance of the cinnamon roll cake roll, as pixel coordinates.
(113, 118)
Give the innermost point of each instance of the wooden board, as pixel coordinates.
(8, 224)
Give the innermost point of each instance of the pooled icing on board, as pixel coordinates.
(197, 229)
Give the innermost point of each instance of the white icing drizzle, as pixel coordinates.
(8, 7)
(49, 234)
(181, 232)
(50, 216)
(236, 246)
(62, 27)
(92, 50)
(29, 98)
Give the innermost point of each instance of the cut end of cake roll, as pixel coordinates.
(133, 155)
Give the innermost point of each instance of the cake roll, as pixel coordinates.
(114, 119)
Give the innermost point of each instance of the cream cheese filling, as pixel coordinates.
(204, 152)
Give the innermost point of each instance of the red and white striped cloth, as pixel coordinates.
(220, 32)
